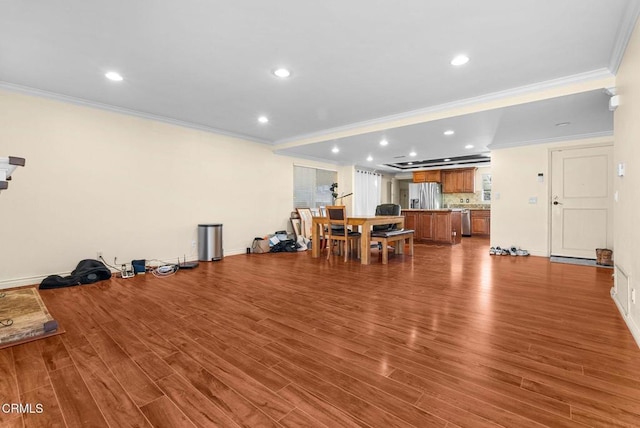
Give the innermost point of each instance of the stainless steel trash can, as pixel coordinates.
(209, 242)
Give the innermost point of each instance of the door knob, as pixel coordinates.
(556, 203)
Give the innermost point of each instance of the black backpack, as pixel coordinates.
(87, 272)
(288, 246)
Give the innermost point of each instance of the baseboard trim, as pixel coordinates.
(37, 279)
(28, 280)
(633, 327)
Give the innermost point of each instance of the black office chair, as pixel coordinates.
(387, 209)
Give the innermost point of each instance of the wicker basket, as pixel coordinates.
(604, 257)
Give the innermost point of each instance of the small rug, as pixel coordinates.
(24, 317)
(577, 261)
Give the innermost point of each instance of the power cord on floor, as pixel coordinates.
(111, 266)
(164, 268)
(7, 321)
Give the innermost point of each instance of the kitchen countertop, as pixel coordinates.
(438, 210)
(471, 206)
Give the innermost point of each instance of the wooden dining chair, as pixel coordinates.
(322, 212)
(306, 217)
(337, 230)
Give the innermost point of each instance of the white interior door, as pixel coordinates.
(581, 201)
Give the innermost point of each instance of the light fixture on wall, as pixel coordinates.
(7, 166)
(614, 101)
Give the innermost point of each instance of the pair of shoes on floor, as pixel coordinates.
(513, 251)
(497, 251)
(518, 252)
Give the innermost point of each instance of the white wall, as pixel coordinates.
(514, 173)
(129, 187)
(627, 151)
(403, 189)
(386, 193)
(346, 184)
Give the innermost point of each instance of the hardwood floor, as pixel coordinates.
(450, 337)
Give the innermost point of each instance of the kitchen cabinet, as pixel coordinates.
(458, 180)
(468, 180)
(419, 177)
(434, 226)
(421, 222)
(480, 222)
(432, 176)
(451, 182)
(411, 220)
(441, 227)
(426, 227)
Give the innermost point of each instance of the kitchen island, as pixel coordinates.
(442, 226)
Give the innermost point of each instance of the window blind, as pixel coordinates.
(311, 187)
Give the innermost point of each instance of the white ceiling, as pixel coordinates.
(208, 64)
(587, 115)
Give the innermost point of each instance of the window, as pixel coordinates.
(486, 187)
(311, 187)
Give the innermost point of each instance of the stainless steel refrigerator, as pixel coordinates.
(425, 196)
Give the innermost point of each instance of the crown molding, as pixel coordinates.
(121, 110)
(581, 78)
(623, 36)
(602, 134)
(310, 158)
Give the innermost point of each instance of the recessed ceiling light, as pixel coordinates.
(563, 124)
(282, 73)
(460, 60)
(412, 154)
(383, 142)
(469, 146)
(263, 119)
(112, 75)
(447, 160)
(335, 150)
(449, 132)
(369, 158)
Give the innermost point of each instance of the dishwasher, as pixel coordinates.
(466, 223)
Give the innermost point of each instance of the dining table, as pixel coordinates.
(364, 225)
